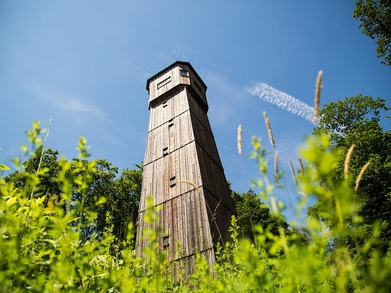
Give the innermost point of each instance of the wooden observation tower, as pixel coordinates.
(182, 169)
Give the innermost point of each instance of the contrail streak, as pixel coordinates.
(283, 100)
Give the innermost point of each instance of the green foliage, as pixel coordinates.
(349, 116)
(91, 181)
(251, 212)
(127, 197)
(43, 247)
(356, 121)
(375, 17)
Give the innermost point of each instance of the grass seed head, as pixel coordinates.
(276, 176)
(293, 171)
(347, 161)
(359, 177)
(301, 165)
(318, 87)
(240, 139)
(269, 129)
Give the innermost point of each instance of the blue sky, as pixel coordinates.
(85, 63)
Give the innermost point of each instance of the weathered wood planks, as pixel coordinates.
(182, 170)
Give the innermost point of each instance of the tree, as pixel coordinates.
(375, 17)
(128, 193)
(47, 186)
(356, 120)
(101, 182)
(121, 194)
(251, 211)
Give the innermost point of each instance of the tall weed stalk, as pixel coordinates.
(43, 249)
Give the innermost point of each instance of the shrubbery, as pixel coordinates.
(43, 248)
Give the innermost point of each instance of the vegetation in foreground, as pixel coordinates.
(56, 240)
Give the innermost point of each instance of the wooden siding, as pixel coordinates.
(198, 87)
(159, 86)
(182, 163)
(205, 140)
(175, 105)
(219, 218)
(171, 78)
(187, 264)
(179, 134)
(199, 112)
(213, 179)
(185, 221)
(186, 181)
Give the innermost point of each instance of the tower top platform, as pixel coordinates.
(174, 78)
(169, 67)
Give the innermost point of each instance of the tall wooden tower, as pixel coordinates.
(182, 169)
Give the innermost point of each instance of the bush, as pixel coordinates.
(43, 249)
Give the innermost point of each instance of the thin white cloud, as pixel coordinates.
(282, 100)
(66, 101)
(217, 67)
(80, 106)
(226, 98)
(8, 2)
(140, 73)
(182, 52)
(221, 114)
(178, 51)
(85, 115)
(162, 57)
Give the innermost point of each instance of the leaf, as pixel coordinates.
(11, 201)
(36, 125)
(3, 204)
(4, 167)
(40, 200)
(101, 201)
